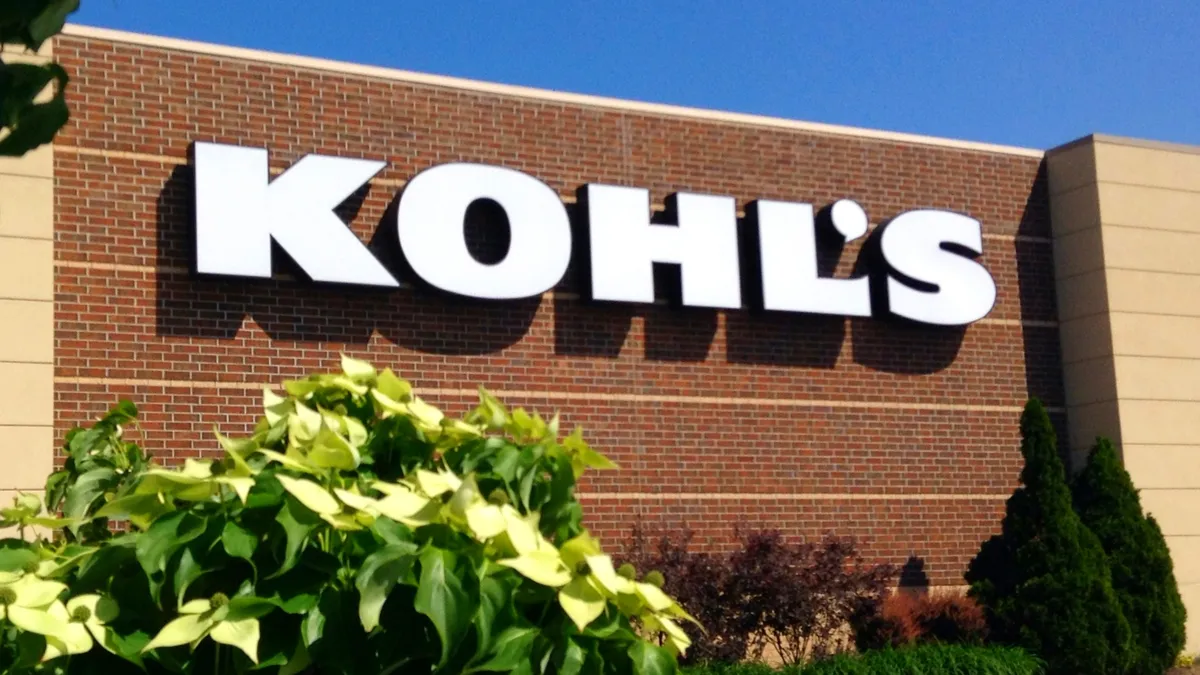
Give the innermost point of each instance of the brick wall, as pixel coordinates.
(905, 437)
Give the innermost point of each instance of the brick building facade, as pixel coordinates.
(903, 436)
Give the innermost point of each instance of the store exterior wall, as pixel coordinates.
(905, 437)
(1126, 218)
(26, 316)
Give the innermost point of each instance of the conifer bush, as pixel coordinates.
(357, 531)
(1143, 576)
(1044, 581)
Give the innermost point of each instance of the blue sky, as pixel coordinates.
(1021, 72)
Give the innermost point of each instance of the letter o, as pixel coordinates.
(429, 225)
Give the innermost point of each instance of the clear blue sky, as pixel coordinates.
(1023, 72)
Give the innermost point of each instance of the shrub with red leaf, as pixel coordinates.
(798, 599)
(907, 618)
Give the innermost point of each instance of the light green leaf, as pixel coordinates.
(649, 659)
(581, 601)
(37, 621)
(543, 566)
(378, 575)
(437, 484)
(34, 592)
(409, 508)
(427, 417)
(310, 494)
(331, 451)
(288, 461)
(440, 596)
(356, 501)
(242, 485)
(485, 520)
(309, 422)
(653, 597)
(607, 578)
(393, 387)
(359, 371)
(183, 630)
(243, 634)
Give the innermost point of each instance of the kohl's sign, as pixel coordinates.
(925, 267)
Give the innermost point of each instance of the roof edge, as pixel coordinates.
(343, 67)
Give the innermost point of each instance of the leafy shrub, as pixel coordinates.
(926, 660)
(931, 660)
(702, 583)
(796, 599)
(1044, 581)
(907, 618)
(1143, 575)
(358, 531)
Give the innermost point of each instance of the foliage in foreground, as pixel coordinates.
(1143, 575)
(1044, 581)
(358, 531)
(795, 598)
(924, 660)
(29, 119)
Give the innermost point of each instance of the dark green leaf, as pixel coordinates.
(495, 610)
(104, 565)
(246, 607)
(298, 522)
(651, 659)
(87, 490)
(512, 647)
(440, 596)
(56, 489)
(506, 462)
(14, 558)
(30, 647)
(187, 570)
(30, 123)
(238, 541)
(390, 531)
(297, 591)
(266, 493)
(572, 658)
(377, 577)
(50, 21)
(166, 536)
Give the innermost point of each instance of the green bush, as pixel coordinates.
(1142, 573)
(1044, 581)
(924, 660)
(359, 531)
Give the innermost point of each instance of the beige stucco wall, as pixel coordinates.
(1126, 218)
(26, 318)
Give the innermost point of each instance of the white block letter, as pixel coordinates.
(913, 244)
(239, 210)
(787, 237)
(430, 221)
(625, 245)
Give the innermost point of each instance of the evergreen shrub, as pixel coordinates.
(1143, 575)
(1044, 582)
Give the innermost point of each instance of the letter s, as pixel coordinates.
(914, 246)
